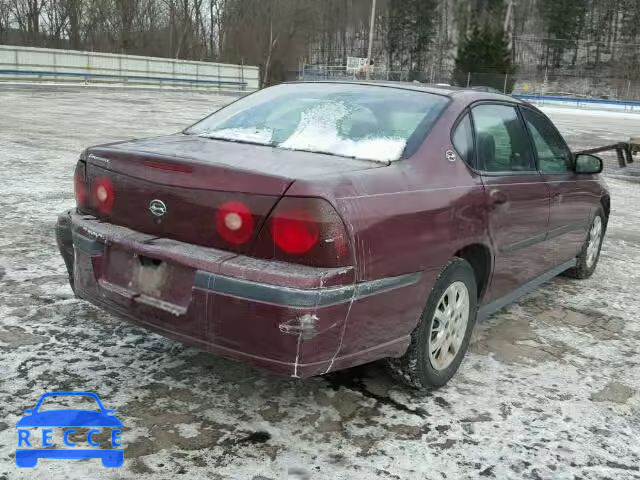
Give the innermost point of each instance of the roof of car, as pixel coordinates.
(439, 89)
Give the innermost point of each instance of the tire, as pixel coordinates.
(419, 367)
(65, 245)
(587, 259)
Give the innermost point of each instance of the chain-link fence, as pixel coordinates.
(340, 72)
(573, 86)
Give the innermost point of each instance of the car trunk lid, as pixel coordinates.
(172, 187)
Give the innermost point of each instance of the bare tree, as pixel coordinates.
(55, 21)
(74, 11)
(27, 14)
(5, 15)
(216, 27)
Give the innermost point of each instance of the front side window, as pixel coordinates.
(501, 141)
(553, 154)
(359, 121)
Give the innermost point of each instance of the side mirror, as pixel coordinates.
(588, 164)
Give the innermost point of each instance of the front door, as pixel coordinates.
(517, 197)
(573, 196)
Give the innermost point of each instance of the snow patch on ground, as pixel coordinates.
(576, 111)
(188, 430)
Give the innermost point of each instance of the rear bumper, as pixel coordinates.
(284, 318)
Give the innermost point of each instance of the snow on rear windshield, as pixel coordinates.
(365, 122)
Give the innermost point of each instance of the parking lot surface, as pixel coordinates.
(549, 389)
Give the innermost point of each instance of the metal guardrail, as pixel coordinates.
(21, 64)
(126, 78)
(578, 100)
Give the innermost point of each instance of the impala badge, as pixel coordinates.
(157, 207)
(450, 155)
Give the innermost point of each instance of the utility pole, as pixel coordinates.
(507, 16)
(371, 25)
(507, 23)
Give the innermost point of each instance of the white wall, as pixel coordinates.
(71, 66)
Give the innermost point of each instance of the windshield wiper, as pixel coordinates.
(308, 150)
(352, 157)
(237, 140)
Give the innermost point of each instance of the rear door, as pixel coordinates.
(573, 196)
(517, 197)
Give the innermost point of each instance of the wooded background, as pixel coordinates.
(583, 37)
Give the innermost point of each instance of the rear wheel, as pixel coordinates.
(587, 259)
(441, 338)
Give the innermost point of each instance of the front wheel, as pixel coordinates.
(589, 255)
(441, 338)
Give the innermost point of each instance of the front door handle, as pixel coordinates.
(498, 197)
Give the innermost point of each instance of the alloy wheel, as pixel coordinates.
(449, 325)
(594, 241)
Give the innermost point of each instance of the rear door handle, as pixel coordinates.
(497, 197)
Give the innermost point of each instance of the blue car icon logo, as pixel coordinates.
(68, 419)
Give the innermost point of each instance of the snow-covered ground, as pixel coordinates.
(594, 128)
(549, 390)
(587, 105)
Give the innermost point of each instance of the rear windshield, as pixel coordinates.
(365, 122)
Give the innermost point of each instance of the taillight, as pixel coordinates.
(306, 231)
(103, 195)
(295, 231)
(234, 222)
(80, 186)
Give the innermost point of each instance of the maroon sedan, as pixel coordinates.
(311, 227)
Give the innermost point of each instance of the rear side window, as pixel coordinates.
(501, 140)
(553, 154)
(463, 139)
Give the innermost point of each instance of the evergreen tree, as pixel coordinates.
(409, 36)
(484, 54)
